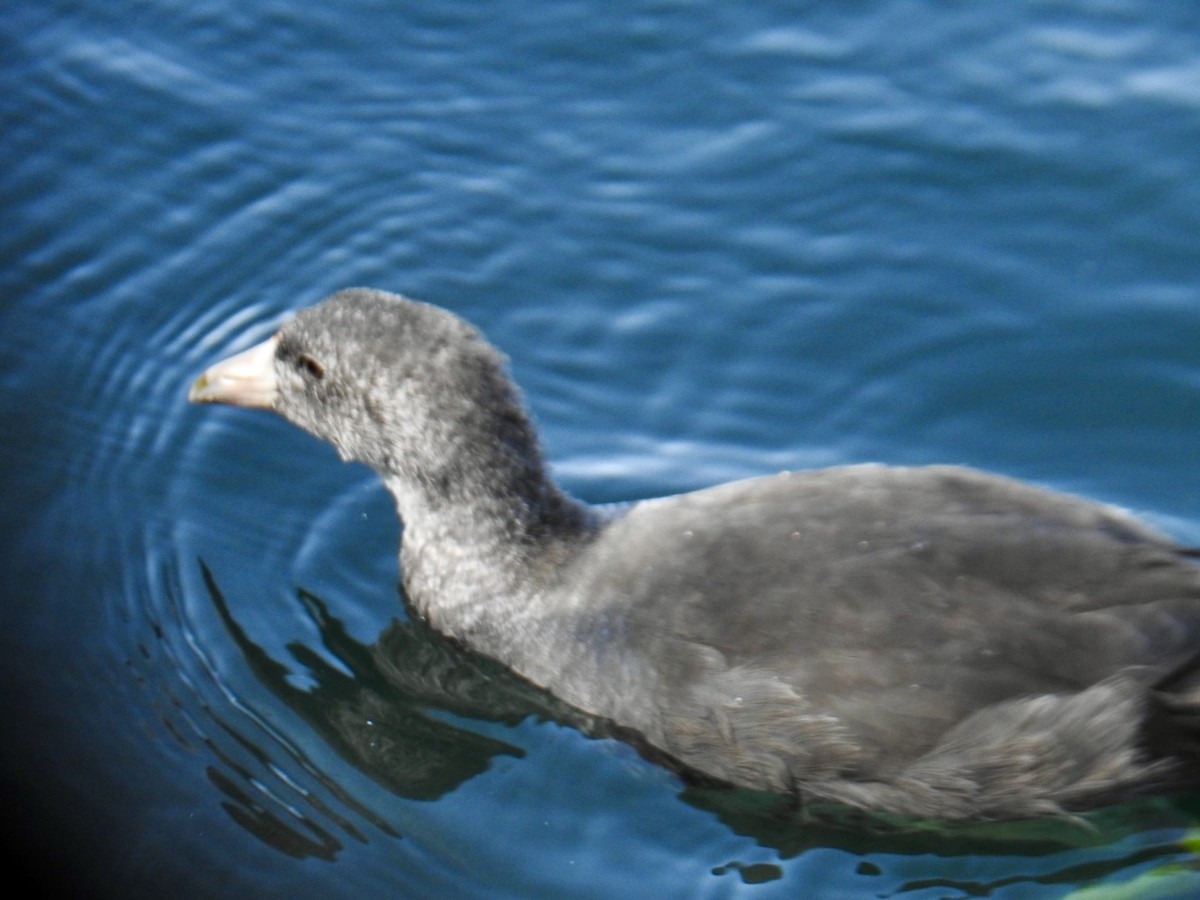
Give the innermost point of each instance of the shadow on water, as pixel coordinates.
(380, 715)
(388, 711)
(1077, 851)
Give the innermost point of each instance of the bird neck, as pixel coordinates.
(477, 558)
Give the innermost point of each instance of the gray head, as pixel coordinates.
(407, 388)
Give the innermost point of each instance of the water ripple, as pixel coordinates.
(717, 240)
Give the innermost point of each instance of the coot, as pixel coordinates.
(931, 642)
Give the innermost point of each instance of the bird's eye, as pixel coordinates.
(309, 365)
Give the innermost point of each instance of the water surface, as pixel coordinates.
(716, 240)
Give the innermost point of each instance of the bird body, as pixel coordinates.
(930, 641)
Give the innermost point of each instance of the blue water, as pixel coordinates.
(715, 239)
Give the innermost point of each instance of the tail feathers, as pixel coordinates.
(1172, 728)
(1043, 755)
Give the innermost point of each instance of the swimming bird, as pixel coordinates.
(934, 642)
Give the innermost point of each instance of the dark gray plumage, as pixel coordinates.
(923, 641)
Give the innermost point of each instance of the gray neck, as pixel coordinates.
(480, 560)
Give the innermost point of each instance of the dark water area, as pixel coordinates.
(716, 240)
